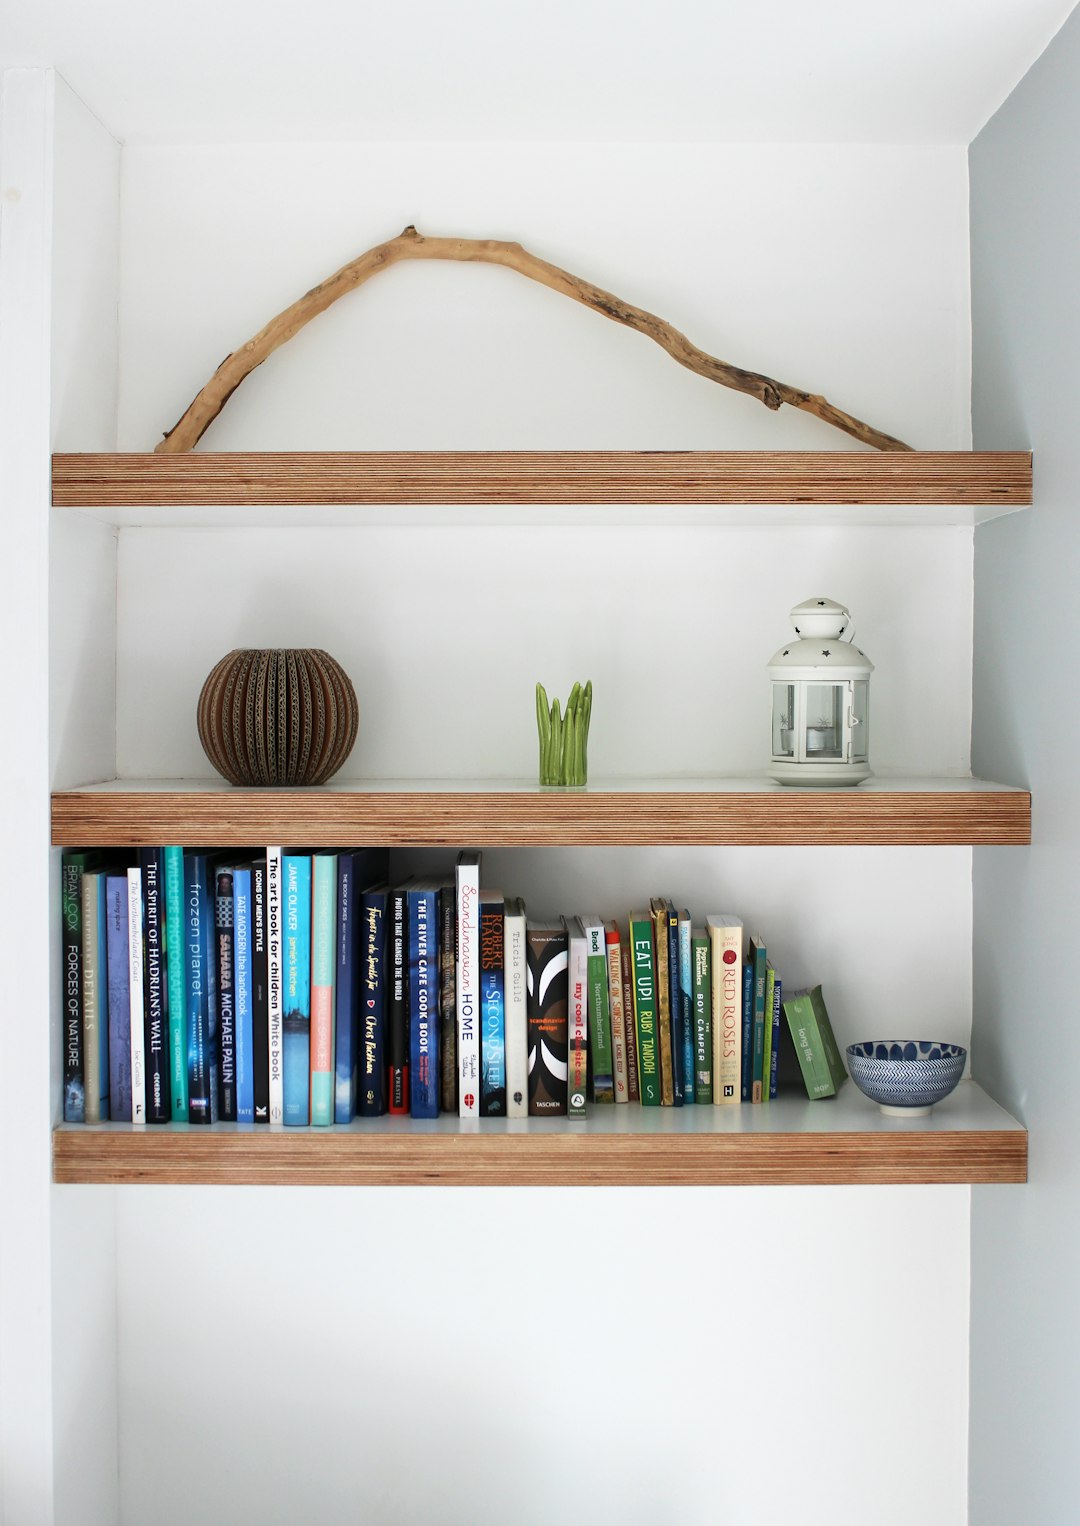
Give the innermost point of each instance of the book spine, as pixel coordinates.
(346, 995)
(577, 975)
(224, 956)
(136, 998)
(296, 980)
(260, 1009)
(176, 978)
(244, 984)
(492, 1010)
(633, 1070)
(398, 1023)
(675, 1006)
(835, 1068)
(468, 990)
(95, 999)
(663, 1002)
(323, 944)
(197, 942)
(757, 950)
(448, 1063)
(701, 985)
(775, 1055)
(275, 954)
(616, 1013)
(155, 986)
(645, 1021)
(517, 1012)
(598, 1004)
(371, 1099)
(746, 1059)
(423, 1002)
(546, 990)
(71, 950)
(767, 1026)
(686, 1000)
(119, 1003)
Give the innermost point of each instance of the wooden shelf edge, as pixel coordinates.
(497, 818)
(115, 1156)
(1001, 478)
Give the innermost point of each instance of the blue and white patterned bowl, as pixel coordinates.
(905, 1077)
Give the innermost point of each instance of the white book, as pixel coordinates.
(467, 970)
(726, 948)
(577, 1008)
(620, 1070)
(275, 1032)
(517, 1012)
(135, 996)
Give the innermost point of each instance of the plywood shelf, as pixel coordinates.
(791, 1141)
(753, 811)
(788, 487)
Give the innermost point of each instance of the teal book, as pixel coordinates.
(758, 962)
(601, 1053)
(817, 1050)
(643, 989)
(324, 873)
(701, 989)
(296, 985)
(176, 982)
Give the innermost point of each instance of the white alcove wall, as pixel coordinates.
(415, 1354)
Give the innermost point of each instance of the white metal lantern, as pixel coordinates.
(820, 700)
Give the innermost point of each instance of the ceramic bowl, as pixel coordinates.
(905, 1077)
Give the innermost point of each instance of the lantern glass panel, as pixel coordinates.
(860, 719)
(783, 720)
(825, 721)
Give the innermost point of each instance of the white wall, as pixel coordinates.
(843, 270)
(1026, 1243)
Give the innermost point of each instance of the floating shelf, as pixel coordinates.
(424, 813)
(754, 487)
(791, 1141)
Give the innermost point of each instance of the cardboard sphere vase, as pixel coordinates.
(277, 716)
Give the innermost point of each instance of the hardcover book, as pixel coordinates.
(686, 999)
(756, 956)
(324, 876)
(275, 953)
(675, 1004)
(643, 976)
(661, 976)
(176, 982)
(358, 871)
(72, 868)
(296, 986)
(616, 1011)
(260, 995)
(546, 988)
(136, 999)
(598, 1001)
(198, 917)
(701, 986)
(155, 985)
(746, 1053)
(371, 1088)
(226, 993)
(633, 1071)
(726, 959)
(774, 1063)
(243, 982)
(398, 1041)
(517, 1009)
(95, 996)
(118, 960)
(766, 1058)
(492, 1006)
(819, 1056)
(422, 993)
(577, 1021)
(467, 885)
(448, 1062)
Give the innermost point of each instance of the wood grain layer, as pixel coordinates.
(348, 1158)
(236, 817)
(543, 477)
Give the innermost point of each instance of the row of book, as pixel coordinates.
(306, 988)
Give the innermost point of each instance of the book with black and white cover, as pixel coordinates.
(517, 1009)
(274, 987)
(136, 1007)
(545, 948)
(467, 888)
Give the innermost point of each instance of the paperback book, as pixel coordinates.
(324, 882)
(422, 925)
(598, 1003)
(517, 1009)
(296, 986)
(546, 954)
(155, 984)
(467, 887)
(492, 1006)
(577, 981)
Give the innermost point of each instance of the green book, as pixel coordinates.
(600, 1051)
(759, 962)
(819, 1057)
(176, 983)
(701, 1014)
(766, 1057)
(643, 986)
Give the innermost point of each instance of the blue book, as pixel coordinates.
(155, 985)
(374, 973)
(224, 968)
(775, 1055)
(243, 987)
(422, 931)
(357, 872)
(117, 955)
(675, 1004)
(492, 1006)
(747, 1028)
(199, 962)
(176, 981)
(296, 986)
(686, 993)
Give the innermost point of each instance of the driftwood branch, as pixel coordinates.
(411, 245)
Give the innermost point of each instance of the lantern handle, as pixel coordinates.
(850, 634)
